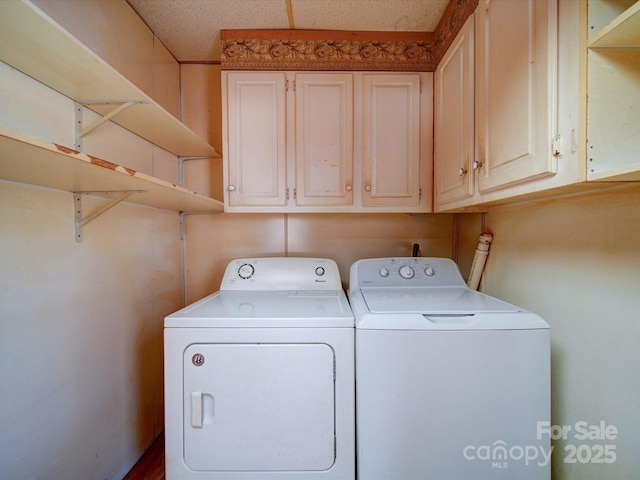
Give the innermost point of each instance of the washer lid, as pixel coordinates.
(243, 309)
(434, 300)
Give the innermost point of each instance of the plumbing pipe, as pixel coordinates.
(479, 260)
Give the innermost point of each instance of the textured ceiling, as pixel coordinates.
(190, 29)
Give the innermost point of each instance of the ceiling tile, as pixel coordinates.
(190, 29)
(375, 15)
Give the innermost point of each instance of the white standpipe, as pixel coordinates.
(479, 260)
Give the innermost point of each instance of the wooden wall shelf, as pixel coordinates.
(613, 116)
(33, 43)
(29, 160)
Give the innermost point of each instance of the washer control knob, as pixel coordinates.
(406, 272)
(246, 271)
(319, 271)
(429, 272)
(384, 272)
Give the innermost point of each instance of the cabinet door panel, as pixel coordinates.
(256, 147)
(516, 90)
(391, 140)
(454, 125)
(324, 145)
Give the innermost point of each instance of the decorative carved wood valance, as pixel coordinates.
(450, 24)
(343, 50)
(326, 50)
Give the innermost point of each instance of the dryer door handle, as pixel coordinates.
(196, 409)
(201, 409)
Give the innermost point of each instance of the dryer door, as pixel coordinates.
(259, 407)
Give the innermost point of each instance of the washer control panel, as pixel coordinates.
(281, 273)
(405, 272)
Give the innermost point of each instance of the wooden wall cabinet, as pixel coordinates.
(326, 142)
(556, 97)
(255, 155)
(521, 78)
(391, 140)
(454, 157)
(324, 139)
(516, 91)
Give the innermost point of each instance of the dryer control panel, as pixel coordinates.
(281, 273)
(405, 272)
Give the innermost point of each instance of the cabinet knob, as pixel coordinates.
(476, 164)
(231, 188)
(349, 188)
(462, 172)
(367, 188)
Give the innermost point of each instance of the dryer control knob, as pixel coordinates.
(246, 271)
(384, 272)
(430, 272)
(406, 272)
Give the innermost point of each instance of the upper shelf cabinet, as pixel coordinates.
(613, 96)
(33, 43)
(611, 27)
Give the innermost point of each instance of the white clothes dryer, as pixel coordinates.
(451, 384)
(259, 376)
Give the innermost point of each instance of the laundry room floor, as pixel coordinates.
(151, 464)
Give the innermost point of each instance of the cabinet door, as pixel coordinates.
(256, 156)
(391, 140)
(454, 122)
(516, 90)
(324, 133)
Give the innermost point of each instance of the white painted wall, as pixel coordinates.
(81, 323)
(576, 262)
(81, 333)
(214, 240)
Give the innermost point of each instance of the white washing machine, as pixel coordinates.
(259, 376)
(451, 384)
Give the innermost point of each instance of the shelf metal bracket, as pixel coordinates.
(81, 132)
(181, 160)
(81, 221)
